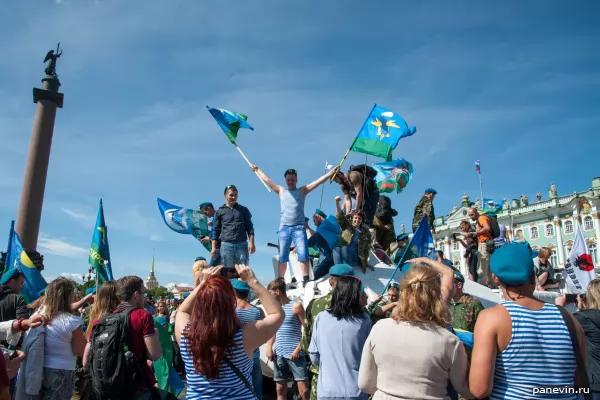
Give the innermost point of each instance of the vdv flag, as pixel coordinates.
(229, 121)
(579, 267)
(492, 205)
(381, 132)
(17, 259)
(185, 221)
(99, 258)
(421, 245)
(393, 175)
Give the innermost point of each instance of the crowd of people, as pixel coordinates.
(114, 344)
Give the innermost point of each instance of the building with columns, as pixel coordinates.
(546, 222)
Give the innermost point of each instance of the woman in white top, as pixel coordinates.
(413, 355)
(64, 341)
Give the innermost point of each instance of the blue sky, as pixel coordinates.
(512, 84)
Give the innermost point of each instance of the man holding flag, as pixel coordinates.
(291, 227)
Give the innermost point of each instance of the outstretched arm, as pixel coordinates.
(313, 185)
(274, 186)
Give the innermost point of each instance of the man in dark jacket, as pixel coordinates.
(12, 304)
(425, 208)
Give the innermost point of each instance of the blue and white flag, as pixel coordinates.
(184, 220)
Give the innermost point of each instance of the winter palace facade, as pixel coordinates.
(549, 222)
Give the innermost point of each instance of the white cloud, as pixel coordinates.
(59, 247)
(69, 275)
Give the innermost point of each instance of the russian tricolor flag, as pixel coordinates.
(478, 167)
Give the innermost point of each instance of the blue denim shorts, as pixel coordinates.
(284, 369)
(292, 234)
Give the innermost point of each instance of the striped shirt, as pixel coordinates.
(539, 355)
(247, 315)
(227, 385)
(289, 334)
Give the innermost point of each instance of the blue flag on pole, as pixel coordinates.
(381, 132)
(184, 220)
(18, 260)
(229, 121)
(421, 245)
(99, 258)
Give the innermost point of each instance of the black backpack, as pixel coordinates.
(494, 225)
(113, 366)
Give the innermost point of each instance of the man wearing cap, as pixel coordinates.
(397, 249)
(248, 313)
(382, 308)
(355, 238)
(522, 344)
(291, 226)
(464, 308)
(425, 208)
(208, 210)
(313, 309)
(12, 304)
(317, 240)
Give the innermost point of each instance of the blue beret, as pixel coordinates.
(206, 204)
(512, 264)
(8, 275)
(458, 276)
(186, 294)
(90, 290)
(321, 213)
(402, 236)
(239, 286)
(341, 270)
(430, 190)
(200, 259)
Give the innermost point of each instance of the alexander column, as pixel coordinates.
(34, 183)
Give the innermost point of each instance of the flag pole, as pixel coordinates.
(352, 145)
(250, 164)
(481, 188)
(7, 261)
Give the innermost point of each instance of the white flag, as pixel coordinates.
(328, 166)
(579, 268)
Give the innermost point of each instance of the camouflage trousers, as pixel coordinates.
(313, 386)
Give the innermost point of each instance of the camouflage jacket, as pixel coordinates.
(364, 238)
(313, 309)
(424, 207)
(464, 312)
(373, 306)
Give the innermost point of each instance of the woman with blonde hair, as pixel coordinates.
(106, 302)
(419, 365)
(64, 341)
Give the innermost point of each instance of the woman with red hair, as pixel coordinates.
(216, 350)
